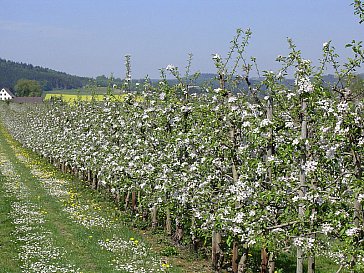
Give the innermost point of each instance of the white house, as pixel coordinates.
(6, 94)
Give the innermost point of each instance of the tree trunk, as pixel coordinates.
(264, 260)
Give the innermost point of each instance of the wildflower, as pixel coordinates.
(165, 265)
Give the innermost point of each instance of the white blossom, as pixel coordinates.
(216, 57)
(352, 231)
(310, 166)
(232, 99)
(327, 228)
(171, 67)
(304, 85)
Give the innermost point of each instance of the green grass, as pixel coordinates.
(8, 254)
(83, 91)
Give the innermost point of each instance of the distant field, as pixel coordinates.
(85, 94)
(71, 98)
(85, 91)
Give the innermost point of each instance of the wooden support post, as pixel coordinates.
(311, 264)
(216, 253)
(126, 201)
(133, 202)
(235, 257)
(168, 222)
(89, 175)
(95, 185)
(302, 177)
(154, 217)
(271, 262)
(242, 267)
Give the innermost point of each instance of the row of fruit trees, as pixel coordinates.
(269, 165)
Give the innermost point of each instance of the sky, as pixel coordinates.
(91, 37)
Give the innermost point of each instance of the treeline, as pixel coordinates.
(11, 72)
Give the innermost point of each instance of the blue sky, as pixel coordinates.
(91, 37)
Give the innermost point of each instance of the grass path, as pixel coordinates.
(53, 224)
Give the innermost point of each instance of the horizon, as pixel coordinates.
(91, 38)
(168, 78)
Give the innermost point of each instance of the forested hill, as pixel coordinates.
(11, 72)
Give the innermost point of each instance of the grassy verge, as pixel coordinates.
(8, 254)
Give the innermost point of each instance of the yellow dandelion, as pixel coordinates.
(165, 265)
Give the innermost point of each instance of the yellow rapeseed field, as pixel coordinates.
(73, 98)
